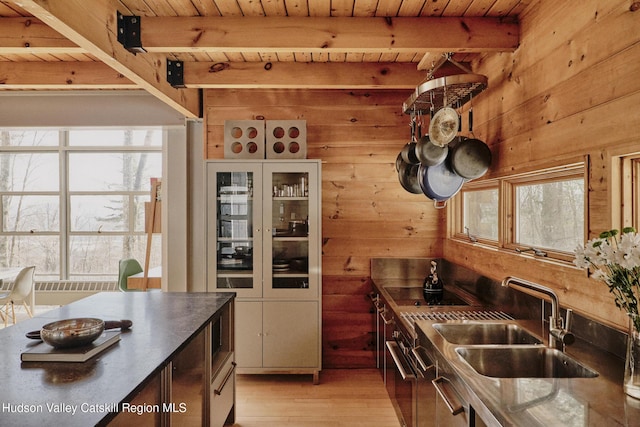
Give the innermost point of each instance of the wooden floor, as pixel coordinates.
(344, 397)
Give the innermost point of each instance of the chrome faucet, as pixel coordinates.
(559, 328)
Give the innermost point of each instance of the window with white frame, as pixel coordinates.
(72, 201)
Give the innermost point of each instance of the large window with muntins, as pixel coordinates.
(72, 200)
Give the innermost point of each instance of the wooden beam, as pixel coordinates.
(429, 60)
(61, 75)
(31, 35)
(332, 34)
(92, 26)
(316, 75)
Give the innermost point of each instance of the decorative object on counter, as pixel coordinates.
(433, 288)
(45, 353)
(72, 332)
(614, 258)
(286, 139)
(108, 324)
(244, 139)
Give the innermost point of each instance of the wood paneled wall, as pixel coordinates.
(365, 211)
(570, 89)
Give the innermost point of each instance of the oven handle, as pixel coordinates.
(384, 319)
(451, 399)
(423, 365)
(392, 346)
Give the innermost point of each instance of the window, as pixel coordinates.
(479, 218)
(544, 210)
(72, 201)
(547, 210)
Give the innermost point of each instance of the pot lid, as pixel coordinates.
(444, 126)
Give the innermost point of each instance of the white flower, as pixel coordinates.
(629, 249)
(600, 275)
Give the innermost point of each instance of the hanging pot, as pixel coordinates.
(409, 151)
(444, 126)
(470, 158)
(408, 177)
(408, 154)
(439, 183)
(430, 154)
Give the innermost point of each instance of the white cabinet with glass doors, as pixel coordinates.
(263, 242)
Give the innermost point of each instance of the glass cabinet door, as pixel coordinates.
(291, 223)
(236, 246)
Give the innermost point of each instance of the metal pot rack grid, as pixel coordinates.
(448, 91)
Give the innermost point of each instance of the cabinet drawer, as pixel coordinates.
(223, 393)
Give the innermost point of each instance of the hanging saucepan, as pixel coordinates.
(430, 154)
(444, 126)
(470, 158)
(409, 151)
(408, 176)
(439, 183)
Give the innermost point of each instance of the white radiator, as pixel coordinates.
(61, 292)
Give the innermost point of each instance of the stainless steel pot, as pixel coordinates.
(408, 177)
(470, 158)
(429, 153)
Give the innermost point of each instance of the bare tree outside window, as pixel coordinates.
(101, 192)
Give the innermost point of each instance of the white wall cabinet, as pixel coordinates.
(264, 243)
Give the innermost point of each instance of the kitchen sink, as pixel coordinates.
(485, 333)
(523, 362)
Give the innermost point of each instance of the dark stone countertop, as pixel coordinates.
(31, 393)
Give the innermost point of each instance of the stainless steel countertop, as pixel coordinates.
(536, 402)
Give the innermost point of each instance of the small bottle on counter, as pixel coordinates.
(433, 288)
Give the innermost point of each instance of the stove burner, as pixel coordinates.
(416, 296)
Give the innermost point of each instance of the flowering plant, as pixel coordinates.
(615, 259)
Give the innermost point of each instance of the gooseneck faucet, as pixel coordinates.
(559, 329)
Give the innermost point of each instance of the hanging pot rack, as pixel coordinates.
(449, 91)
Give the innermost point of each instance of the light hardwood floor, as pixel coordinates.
(344, 397)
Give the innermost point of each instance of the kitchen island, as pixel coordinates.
(162, 370)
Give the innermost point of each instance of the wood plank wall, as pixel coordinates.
(365, 211)
(570, 89)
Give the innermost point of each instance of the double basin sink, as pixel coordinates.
(506, 350)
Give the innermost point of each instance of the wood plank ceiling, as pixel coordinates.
(353, 44)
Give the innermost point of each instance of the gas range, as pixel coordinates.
(407, 296)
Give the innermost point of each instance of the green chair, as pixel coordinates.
(127, 267)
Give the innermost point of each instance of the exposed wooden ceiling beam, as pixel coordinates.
(61, 75)
(310, 75)
(308, 34)
(284, 34)
(92, 26)
(30, 35)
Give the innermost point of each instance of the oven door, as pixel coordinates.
(413, 394)
(403, 393)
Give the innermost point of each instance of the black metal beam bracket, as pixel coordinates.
(129, 33)
(175, 73)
